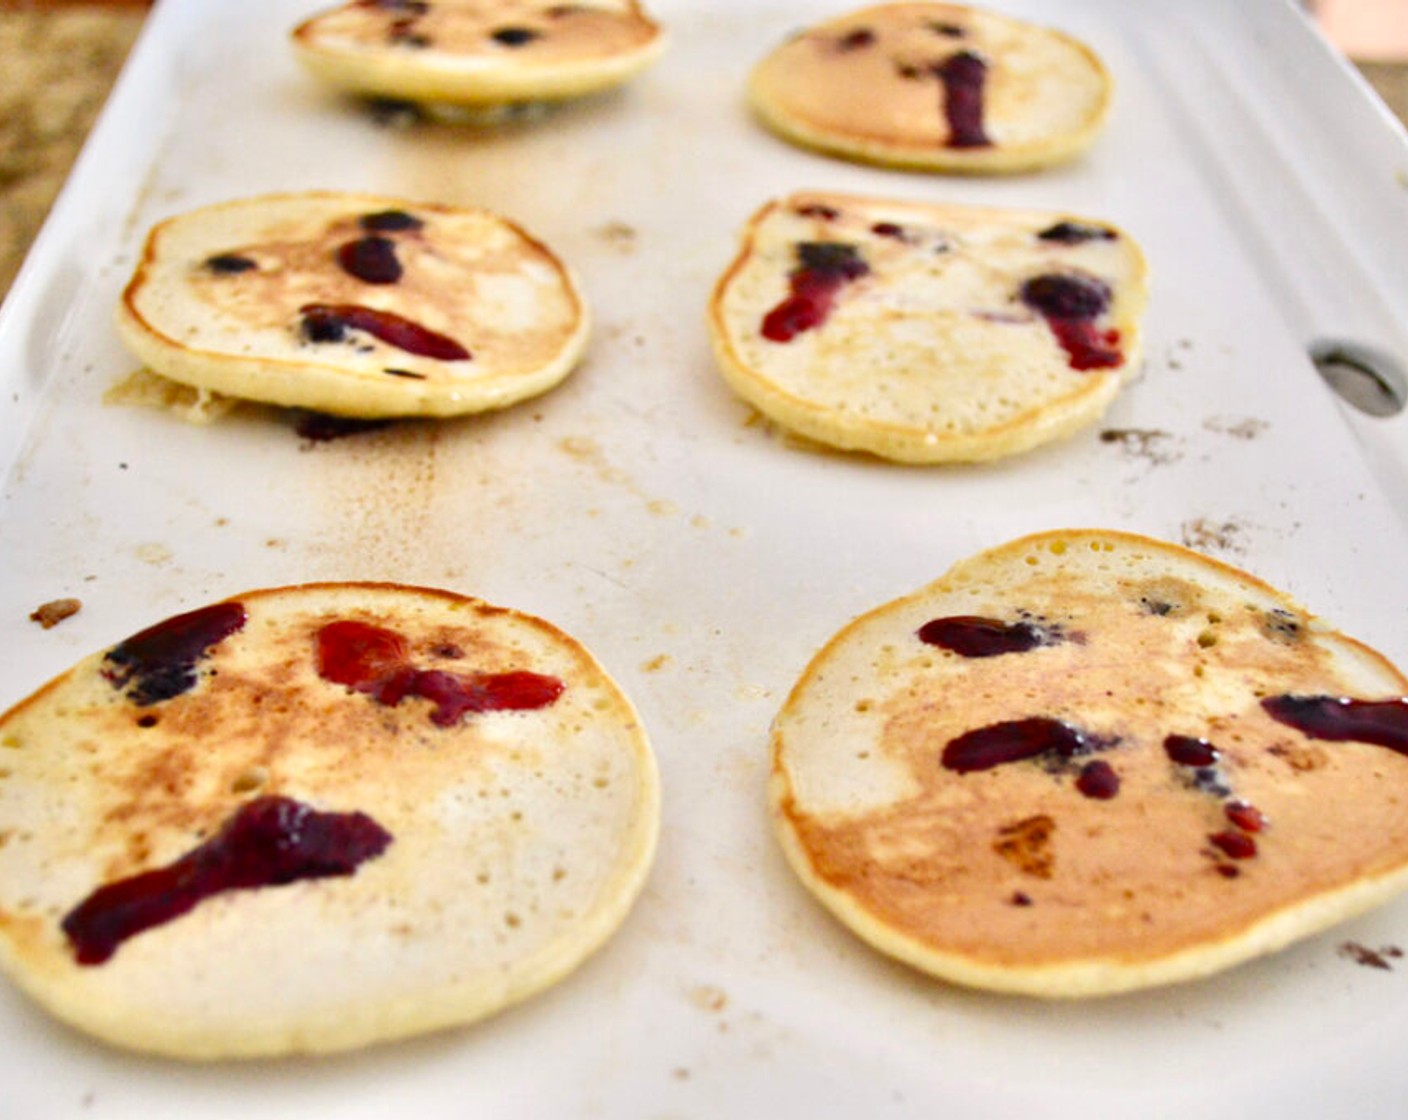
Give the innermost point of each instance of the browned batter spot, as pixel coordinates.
(1302, 759)
(1027, 845)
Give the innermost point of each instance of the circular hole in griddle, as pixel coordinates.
(1364, 377)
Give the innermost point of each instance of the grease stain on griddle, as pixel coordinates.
(617, 235)
(389, 513)
(1204, 534)
(708, 997)
(591, 455)
(1238, 427)
(1151, 445)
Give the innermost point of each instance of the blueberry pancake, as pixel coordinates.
(478, 52)
(1085, 762)
(936, 87)
(928, 333)
(355, 305)
(317, 817)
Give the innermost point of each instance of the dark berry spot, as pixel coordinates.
(1058, 296)
(824, 268)
(832, 259)
(1070, 304)
(269, 842)
(376, 662)
(229, 263)
(889, 229)
(514, 36)
(371, 260)
(1234, 845)
(856, 40)
(1383, 723)
(1011, 741)
(1021, 898)
(159, 663)
(389, 221)
(947, 30)
(964, 76)
(973, 636)
(1074, 233)
(410, 374)
(394, 330)
(1098, 780)
(817, 210)
(323, 325)
(1188, 751)
(1245, 816)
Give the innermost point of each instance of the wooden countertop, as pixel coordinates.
(60, 60)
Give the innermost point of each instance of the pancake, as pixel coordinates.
(354, 304)
(934, 87)
(317, 817)
(478, 52)
(1086, 762)
(928, 333)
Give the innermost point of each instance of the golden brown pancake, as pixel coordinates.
(354, 304)
(478, 52)
(313, 818)
(928, 333)
(938, 87)
(1085, 762)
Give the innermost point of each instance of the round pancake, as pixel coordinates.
(478, 52)
(507, 777)
(354, 304)
(928, 333)
(1056, 770)
(934, 87)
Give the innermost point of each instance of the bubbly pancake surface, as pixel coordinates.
(359, 305)
(508, 779)
(1056, 770)
(926, 332)
(479, 52)
(939, 87)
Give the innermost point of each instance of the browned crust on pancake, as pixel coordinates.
(920, 439)
(884, 118)
(1008, 878)
(470, 809)
(461, 65)
(324, 379)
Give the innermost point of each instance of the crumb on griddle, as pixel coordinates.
(1370, 958)
(50, 614)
